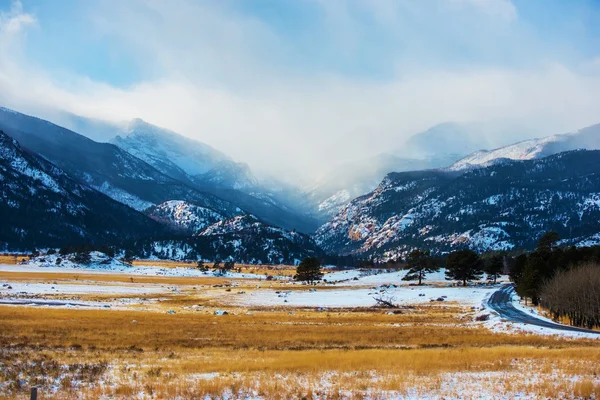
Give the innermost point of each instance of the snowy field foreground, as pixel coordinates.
(340, 289)
(115, 331)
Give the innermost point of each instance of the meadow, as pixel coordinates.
(174, 345)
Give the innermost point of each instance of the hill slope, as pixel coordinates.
(103, 166)
(243, 239)
(42, 206)
(586, 138)
(503, 206)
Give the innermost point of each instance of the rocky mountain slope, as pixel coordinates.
(40, 205)
(243, 239)
(184, 216)
(209, 170)
(503, 206)
(103, 166)
(586, 138)
(437, 147)
(182, 158)
(351, 180)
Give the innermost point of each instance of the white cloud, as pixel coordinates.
(15, 20)
(218, 76)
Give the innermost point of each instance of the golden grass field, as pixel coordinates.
(282, 270)
(274, 352)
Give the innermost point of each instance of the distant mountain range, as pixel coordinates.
(504, 206)
(586, 138)
(436, 147)
(40, 205)
(131, 180)
(170, 196)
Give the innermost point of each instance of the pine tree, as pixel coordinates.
(463, 265)
(419, 263)
(494, 267)
(309, 270)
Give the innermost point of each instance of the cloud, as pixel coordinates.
(504, 9)
(15, 20)
(355, 79)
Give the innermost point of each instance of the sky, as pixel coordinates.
(300, 86)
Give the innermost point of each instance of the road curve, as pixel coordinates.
(500, 301)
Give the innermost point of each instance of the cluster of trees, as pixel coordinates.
(218, 267)
(574, 294)
(461, 265)
(531, 271)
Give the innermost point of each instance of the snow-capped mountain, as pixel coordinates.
(184, 216)
(207, 169)
(40, 205)
(586, 138)
(183, 158)
(103, 166)
(243, 239)
(351, 180)
(437, 147)
(500, 207)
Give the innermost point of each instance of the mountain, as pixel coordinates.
(184, 216)
(586, 138)
(503, 206)
(41, 206)
(104, 167)
(183, 158)
(351, 180)
(449, 138)
(209, 170)
(437, 147)
(243, 239)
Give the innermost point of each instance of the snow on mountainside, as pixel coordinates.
(185, 215)
(351, 180)
(243, 239)
(103, 166)
(40, 205)
(202, 167)
(586, 138)
(183, 158)
(500, 207)
(436, 147)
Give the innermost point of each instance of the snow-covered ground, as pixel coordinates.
(101, 263)
(18, 288)
(361, 297)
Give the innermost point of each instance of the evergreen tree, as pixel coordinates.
(463, 265)
(547, 242)
(309, 270)
(494, 266)
(227, 266)
(201, 266)
(516, 269)
(419, 263)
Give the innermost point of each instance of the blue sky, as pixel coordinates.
(257, 76)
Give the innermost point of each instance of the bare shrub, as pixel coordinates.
(575, 294)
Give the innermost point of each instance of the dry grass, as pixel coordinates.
(71, 277)
(279, 270)
(11, 260)
(271, 352)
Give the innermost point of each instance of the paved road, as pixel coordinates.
(40, 302)
(501, 303)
